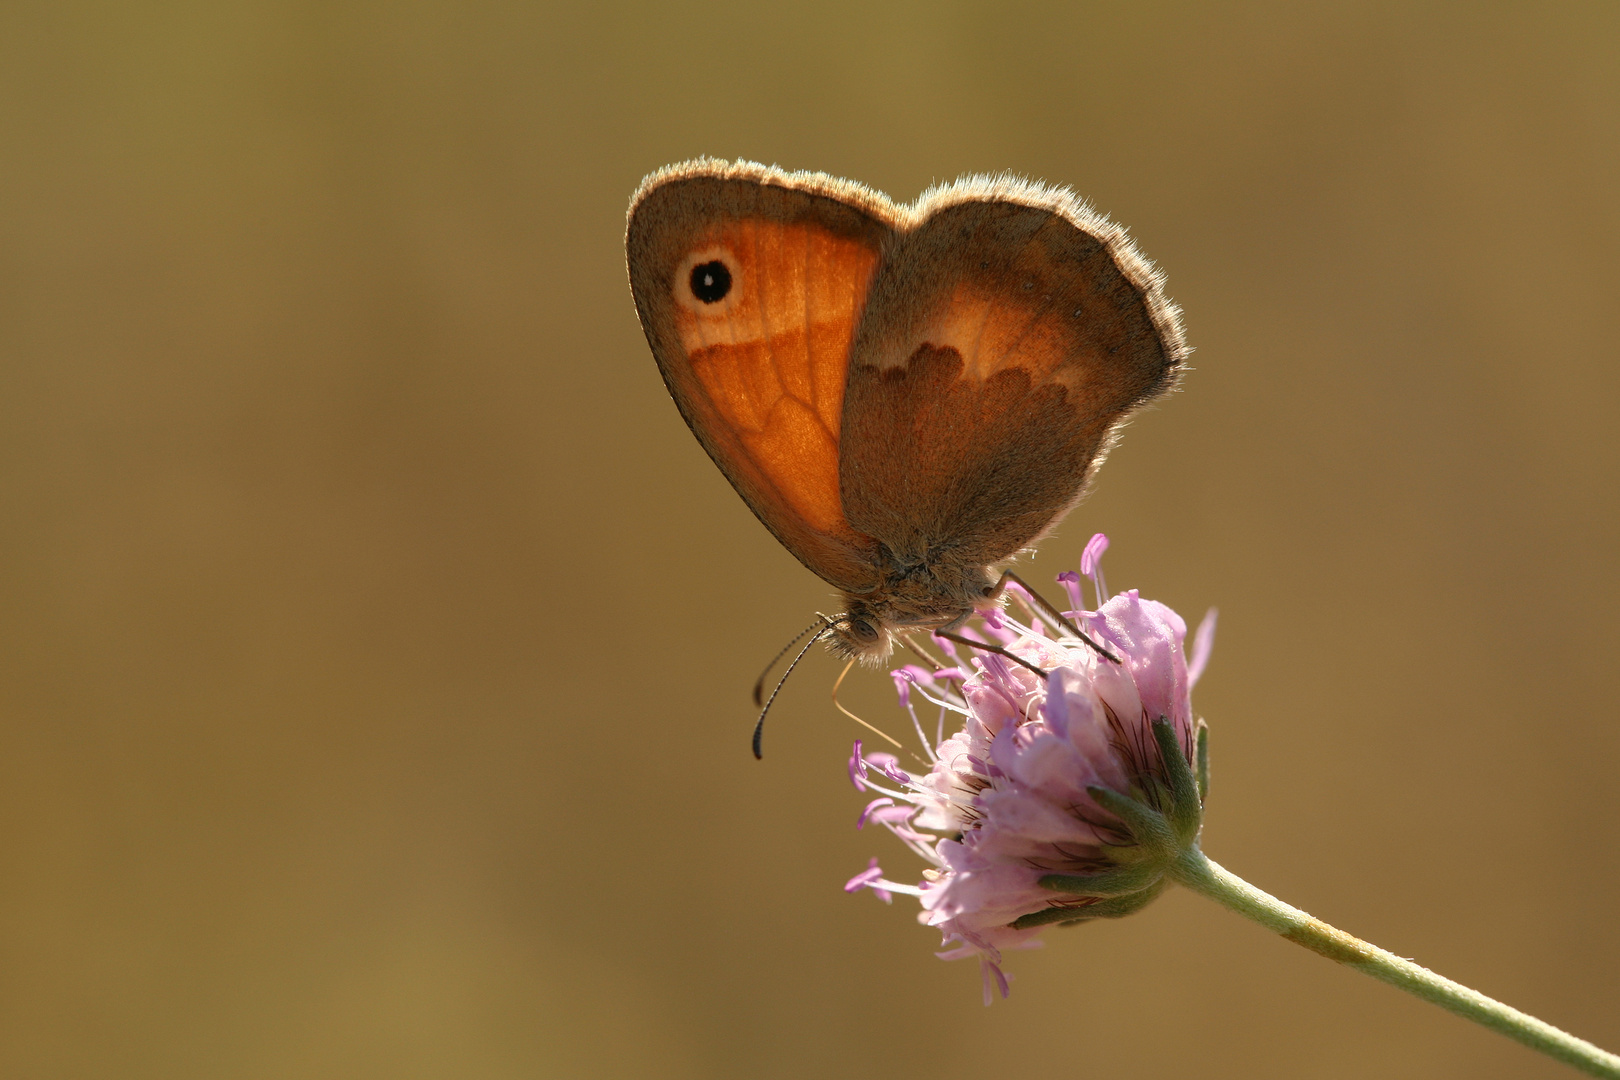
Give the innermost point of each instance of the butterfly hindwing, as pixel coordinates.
(1017, 331)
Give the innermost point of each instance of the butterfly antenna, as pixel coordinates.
(839, 705)
(759, 725)
(759, 683)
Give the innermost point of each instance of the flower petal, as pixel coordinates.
(1203, 645)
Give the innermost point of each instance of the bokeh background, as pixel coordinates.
(376, 639)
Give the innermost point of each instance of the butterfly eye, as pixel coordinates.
(711, 281)
(862, 631)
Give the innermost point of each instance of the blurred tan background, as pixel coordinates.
(376, 639)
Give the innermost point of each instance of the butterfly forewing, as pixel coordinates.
(749, 293)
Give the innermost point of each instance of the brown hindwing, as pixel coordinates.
(1017, 332)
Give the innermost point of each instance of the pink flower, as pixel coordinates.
(1019, 814)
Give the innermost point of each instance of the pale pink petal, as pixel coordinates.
(1091, 565)
(870, 807)
(1071, 585)
(872, 873)
(1093, 553)
(1203, 645)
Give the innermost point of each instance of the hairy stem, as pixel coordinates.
(1200, 874)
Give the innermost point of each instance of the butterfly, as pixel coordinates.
(905, 396)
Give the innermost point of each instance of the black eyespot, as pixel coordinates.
(711, 281)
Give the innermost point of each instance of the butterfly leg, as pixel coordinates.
(1046, 606)
(985, 646)
(906, 643)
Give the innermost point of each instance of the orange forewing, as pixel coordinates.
(760, 373)
(773, 362)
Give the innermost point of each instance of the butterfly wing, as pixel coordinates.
(1019, 330)
(749, 283)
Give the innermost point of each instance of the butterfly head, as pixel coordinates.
(922, 597)
(861, 635)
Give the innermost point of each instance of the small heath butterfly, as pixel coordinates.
(904, 395)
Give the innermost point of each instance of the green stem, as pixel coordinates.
(1198, 873)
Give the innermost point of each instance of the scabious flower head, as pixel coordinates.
(1008, 809)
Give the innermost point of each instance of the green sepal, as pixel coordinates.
(1120, 906)
(1131, 854)
(1154, 793)
(1148, 827)
(1202, 756)
(1186, 807)
(1065, 916)
(1116, 907)
(1126, 879)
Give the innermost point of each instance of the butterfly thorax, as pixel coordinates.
(928, 595)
